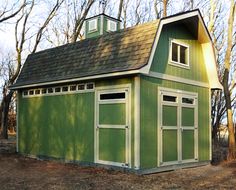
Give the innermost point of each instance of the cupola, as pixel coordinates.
(100, 24)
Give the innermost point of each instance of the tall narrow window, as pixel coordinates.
(111, 25)
(179, 54)
(92, 25)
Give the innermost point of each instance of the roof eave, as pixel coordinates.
(107, 75)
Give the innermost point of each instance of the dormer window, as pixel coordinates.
(92, 25)
(111, 26)
(179, 54)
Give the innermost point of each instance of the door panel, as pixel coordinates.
(187, 116)
(170, 145)
(112, 114)
(112, 145)
(187, 144)
(169, 115)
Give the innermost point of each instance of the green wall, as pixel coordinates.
(149, 119)
(62, 126)
(160, 64)
(59, 126)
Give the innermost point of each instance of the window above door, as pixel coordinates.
(179, 54)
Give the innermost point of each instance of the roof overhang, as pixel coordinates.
(115, 74)
(203, 37)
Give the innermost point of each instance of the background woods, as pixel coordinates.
(27, 26)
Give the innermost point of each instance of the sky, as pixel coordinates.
(7, 38)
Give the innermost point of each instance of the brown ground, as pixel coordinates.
(18, 172)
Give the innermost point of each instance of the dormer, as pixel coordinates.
(100, 24)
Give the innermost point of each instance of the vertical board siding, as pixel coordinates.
(62, 126)
(160, 64)
(58, 126)
(149, 109)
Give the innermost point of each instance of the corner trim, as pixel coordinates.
(137, 122)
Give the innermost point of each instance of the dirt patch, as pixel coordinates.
(18, 172)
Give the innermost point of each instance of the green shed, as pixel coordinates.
(135, 98)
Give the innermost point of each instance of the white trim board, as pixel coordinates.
(137, 122)
(177, 79)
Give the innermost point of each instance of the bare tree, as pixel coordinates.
(6, 14)
(120, 9)
(80, 17)
(227, 94)
(125, 6)
(20, 38)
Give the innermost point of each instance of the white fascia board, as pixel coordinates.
(116, 74)
(210, 63)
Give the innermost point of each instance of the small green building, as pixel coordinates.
(135, 98)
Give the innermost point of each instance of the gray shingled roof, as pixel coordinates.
(124, 50)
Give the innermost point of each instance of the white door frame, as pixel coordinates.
(179, 94)
(127, 127)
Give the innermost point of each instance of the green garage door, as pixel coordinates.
(112, 127)
(178, 128)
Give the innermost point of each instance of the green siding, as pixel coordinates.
(160, 64)
(113, 114)
(112, 145)
(62, 126)
(57, 126)
(148, 117)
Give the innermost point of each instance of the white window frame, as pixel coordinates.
(178, 63)
(54, 93)
(95, 28)
(109, 24)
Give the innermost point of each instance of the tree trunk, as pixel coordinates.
(5, 104)
(120, 9)
(232, 146)
(165, 8)
(227, 63)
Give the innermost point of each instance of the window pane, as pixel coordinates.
(44, 91)
(37, 91)
(89, 86)
(183, 54)
(73, 88)
(64, 88)
(92, 25)
(81, 86)
(169, 98)
(31, 92)
(188, 100)
(174, 52)
(50, 90)
(58, 89)
(112, 96)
